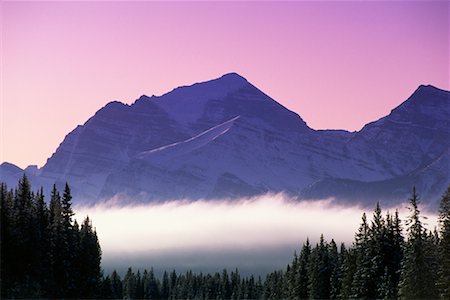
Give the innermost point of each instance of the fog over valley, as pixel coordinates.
(257, 235)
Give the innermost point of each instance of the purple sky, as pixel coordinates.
(338, 64)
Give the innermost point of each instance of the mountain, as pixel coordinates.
(225, 138)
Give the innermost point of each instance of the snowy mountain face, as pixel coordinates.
(225, 139)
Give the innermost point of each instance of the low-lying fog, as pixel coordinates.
(256, 235)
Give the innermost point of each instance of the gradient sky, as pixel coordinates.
(338, 64)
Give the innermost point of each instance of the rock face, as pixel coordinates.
(225, 138)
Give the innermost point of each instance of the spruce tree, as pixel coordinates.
(319, 271)
(291, 277)
(116, 286)
(24, 229)
(335, 268)
(363, 280)
(348, 269)
(58, 284)
(417, 275)
(106, 288)
(90, 256)
(378, 245)
(36, 260)
(302, 280)
(444, 246)
(129, 285)
(7, 240)
(165, 287)
(42, 244)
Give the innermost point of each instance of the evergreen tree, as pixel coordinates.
(363, 280)
(335, 268)
(7, 241)
(22, 226)
(273, 286)
(42, 244)
(396, 253)
(378, 247)
(444, 246)
(173, 284)
(38, 259)
(129, 285)
(320, 271)
(139, 286)
(348, 269)
(225, 287)
(116, 286)
(302, 279)
(165, 287)
(106, 288)
(291, 277)
(90, 255)
(417, 275)
(235, 285)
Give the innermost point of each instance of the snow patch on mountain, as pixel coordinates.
(184, 147)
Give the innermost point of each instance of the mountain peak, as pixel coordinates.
(426, 99)
(429, 90)
(226, 83)
(234, 77)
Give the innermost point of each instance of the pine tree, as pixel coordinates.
(225, 287)
(57, 242)
(363, 280)
(417, 275)
(173, 284)
(24, 230)
(444, 246)
(319, 271)
(378, 245)
(291, 278)
(36, 253)
(235, 285)
(154, 286)
(106, 288)
(90, 256)
(139, 294)
(398, 245)
(129, 285)
(348, 269)
(42, 244)
(165, 287)
(116, 286)
(7, 241)
(302, 280)
(273, 286)
(70, 250)
(335, 268)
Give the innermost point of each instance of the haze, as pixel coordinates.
(256, 235)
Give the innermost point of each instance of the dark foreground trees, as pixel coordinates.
(44, 253)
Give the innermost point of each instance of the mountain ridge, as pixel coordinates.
(268, 148)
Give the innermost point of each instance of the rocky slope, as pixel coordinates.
(225, 138)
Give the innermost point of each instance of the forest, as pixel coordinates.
(46, 254)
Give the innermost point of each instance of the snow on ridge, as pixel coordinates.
(189, 145)
(186, 103)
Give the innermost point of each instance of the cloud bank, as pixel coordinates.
(256, 234)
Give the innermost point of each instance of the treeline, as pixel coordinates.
(380, 264)
(137, 285)
(44, 252)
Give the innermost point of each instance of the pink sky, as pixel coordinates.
(337, 64)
